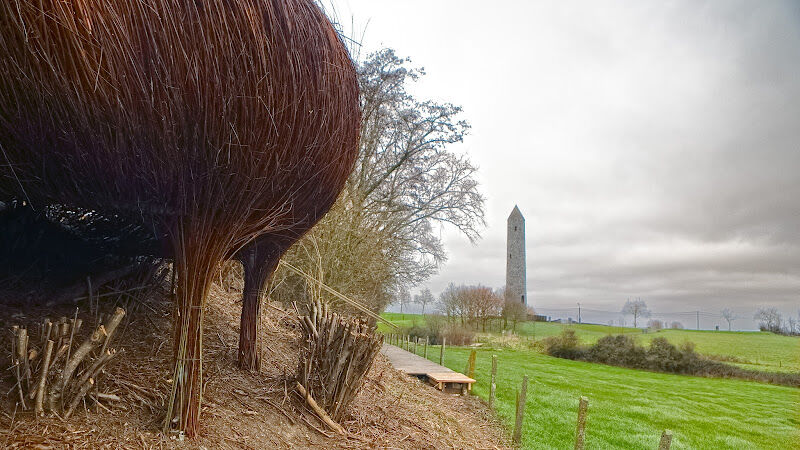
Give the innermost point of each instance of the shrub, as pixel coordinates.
(619, 350)
(564, 345)
(661, 356)
(436, 326)
(655, 324)
(676, 325)
(457, 335)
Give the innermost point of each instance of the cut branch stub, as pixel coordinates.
(57, 381)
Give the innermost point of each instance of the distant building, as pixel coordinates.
(516, 285)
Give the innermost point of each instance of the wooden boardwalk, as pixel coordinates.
(410, 363)
(419, 367)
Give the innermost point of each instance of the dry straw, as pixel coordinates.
(212, 122)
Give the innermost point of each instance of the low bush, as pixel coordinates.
(457, 335)
(661, 356)
(565, 345)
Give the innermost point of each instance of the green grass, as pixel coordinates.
(400, 320)
(757, 350)
(630, 408)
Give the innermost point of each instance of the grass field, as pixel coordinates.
(758, 350)
(629, 408)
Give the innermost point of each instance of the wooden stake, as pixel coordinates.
(39, 405)
(89, 286)
(426, 346)
(666, 440)
(48, 327)
(493, 385)
(24, 355)
(471, 364)
(416, 341)
(521, 398)
(72, 332)
(15, 339)
(580, 433)
(441, 351)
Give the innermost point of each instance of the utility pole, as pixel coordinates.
(698, 319)
(579, 312)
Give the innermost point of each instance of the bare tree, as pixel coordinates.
(514, 311)
(405, 179)
(406, 184)
(728, 315)
(676, 325)
(636, 308)
(769, 319)
(403, 298)
(453, 304)
(485, 303)
(424, 298)
(792, 326)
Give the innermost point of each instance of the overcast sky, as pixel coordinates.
(653, 147)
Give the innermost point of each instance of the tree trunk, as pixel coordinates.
(259, 261)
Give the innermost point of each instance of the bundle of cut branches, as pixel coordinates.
(338, 352)
(52, 374)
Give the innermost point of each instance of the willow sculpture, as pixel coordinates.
(212, 122)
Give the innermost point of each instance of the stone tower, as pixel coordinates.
(516, 285)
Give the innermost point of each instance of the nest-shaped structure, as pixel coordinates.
(212, 122)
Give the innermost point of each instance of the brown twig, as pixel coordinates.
(319, 411)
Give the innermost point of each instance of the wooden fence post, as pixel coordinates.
(426, 347)
(441, 351)
(521, 397)
(493, 386)
(471, 364)
(580, 433)
(666, 440)
(416, 341)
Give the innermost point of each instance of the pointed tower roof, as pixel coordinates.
(516, 213)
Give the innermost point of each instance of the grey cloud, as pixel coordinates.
(654, 148)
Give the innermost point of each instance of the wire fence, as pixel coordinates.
(697, 319)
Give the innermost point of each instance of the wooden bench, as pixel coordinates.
(453, 380)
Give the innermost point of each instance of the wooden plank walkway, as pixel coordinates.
(410, 363)
(439, 376)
